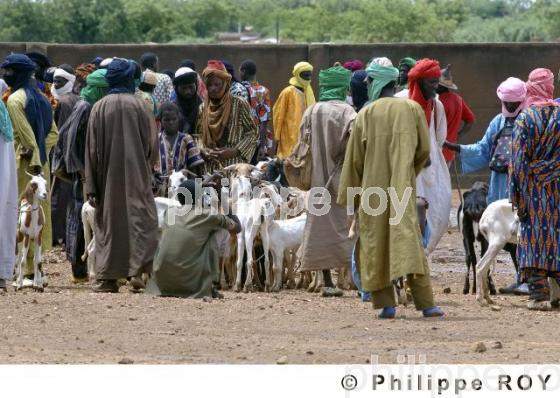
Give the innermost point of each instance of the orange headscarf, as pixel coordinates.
(424, 69)
(215, 115)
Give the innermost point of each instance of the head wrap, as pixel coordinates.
(185, 75)
(359, 89)
(216, 112)
(96, 61)
(67, 88)
(38, 110)
(120, 76)
(354, 65)
(540, 88)
(424, 69)
(410, 62)
(512, 90)
(105, 63)
(383, 61)
(297, 81)
(149, 77)
(96, 86)
(381, 76)
(41, 61)
(83, 70)
(6, 129)
(334, 83)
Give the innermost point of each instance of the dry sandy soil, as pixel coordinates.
(69, 324)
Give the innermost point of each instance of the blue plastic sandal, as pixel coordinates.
(388, 313)
(433, 312)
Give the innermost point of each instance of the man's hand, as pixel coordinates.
(226, 153)
(451, 146)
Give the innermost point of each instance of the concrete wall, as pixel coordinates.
(477, 68)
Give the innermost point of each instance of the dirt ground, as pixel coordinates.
(69, 324)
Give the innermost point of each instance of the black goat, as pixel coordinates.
(468, 217)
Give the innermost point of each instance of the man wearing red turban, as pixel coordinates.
(434, 182)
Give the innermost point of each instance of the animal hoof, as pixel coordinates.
(466, 291)
(482, 302)
(39, 289)
(311, 289)
(237, 288)
(493, 292)
(247, 288)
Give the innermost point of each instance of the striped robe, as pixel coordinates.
(240, 132)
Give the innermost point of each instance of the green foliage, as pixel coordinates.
(198, 21)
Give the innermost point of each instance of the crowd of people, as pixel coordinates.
(110, 132)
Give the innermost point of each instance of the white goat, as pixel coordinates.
(30, 228)
(88, 221)
(500, 225)
(283, 236)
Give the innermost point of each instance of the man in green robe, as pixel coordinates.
(387, 148)
(186, 263)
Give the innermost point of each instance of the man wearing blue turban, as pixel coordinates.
(121, 149)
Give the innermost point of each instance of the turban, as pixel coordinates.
(297, 81)
(19, 62)
(359, 89)
(67, 88)
(354, 65)
(334, 83)
(38, 110)
(120, 76)
(96, 85)
(185, 75)
(41, 60)
(410, 62)
(424, 69)
(83, 70)
(512, 90)
(383, 61)
(149, 77)
(105, 63)
(540, 88)
(381, 76)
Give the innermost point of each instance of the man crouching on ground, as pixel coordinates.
(187, 261)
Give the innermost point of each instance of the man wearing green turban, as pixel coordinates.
(325, 243)
(405, 65)
(96, 86)
(334, 83)
(388, 147)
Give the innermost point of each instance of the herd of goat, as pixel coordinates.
(274, 225)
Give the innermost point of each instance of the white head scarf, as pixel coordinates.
(67, 88)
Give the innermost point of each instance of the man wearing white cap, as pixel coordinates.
(185, 84)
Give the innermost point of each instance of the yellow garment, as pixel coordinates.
(25, 138)
(287, 114)
(387, 149)
(297, 81)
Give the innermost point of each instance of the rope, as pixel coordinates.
(456, 173)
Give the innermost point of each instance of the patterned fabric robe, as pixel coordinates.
(535, 187)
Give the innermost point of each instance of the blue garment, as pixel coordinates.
(366, 296)
(477, 156)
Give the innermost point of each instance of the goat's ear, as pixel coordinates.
(466, 194)
(33, 186)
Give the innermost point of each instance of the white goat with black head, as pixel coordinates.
(30, 229)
